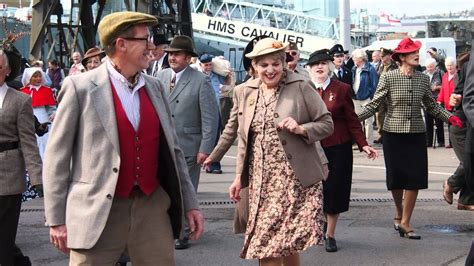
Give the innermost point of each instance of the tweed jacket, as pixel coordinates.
(299, 100)
(82, 158)
(17, 124)
(405, 97)
(194, 110)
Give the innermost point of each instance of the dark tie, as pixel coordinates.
(173, 82)
(155, 68)
(320, 91)
(340, 73)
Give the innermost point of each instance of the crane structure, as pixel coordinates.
(55, 34)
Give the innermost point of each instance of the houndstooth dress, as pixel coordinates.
(284, 217)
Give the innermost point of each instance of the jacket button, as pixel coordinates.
(289, 156)
(410, 91)
(115, 170)
(172, 115)
(275, 115)
(283, 142)
(177, 101)
(109, 196)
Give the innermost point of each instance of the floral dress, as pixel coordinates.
(284, 217)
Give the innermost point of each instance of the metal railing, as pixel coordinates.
(275, 17)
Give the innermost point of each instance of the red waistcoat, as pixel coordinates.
(139, 150)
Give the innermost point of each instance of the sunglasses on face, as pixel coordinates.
(292, 53)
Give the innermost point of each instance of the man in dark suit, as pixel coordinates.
(18, 149)
(193, 108)
(468, 107)
(159, 56)
(341, 73)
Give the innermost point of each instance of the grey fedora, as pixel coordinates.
(182, 43)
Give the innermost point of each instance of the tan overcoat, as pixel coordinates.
(298, 99)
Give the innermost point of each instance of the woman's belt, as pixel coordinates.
(5, 146)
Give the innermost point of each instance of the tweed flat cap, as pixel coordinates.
(112, 25)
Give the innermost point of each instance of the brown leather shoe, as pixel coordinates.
(447, 193)
(465, 207)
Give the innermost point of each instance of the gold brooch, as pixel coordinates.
(251, 101)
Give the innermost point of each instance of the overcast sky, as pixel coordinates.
(412, 7)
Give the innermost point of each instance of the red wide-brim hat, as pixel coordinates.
(405, 46)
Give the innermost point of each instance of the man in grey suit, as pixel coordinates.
(193, 108)
(115, 179)
(17, 149)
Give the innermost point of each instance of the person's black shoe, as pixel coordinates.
(181, 243)
(217, 171)
(330, 244)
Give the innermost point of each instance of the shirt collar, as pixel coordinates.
(34, 87)
(179, 74)
(115, 75)
(324, 85)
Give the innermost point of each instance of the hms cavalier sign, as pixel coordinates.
(246, 31)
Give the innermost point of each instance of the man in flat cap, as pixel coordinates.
(114, 175)
(159, 56)
(193, 107)
(294, 65)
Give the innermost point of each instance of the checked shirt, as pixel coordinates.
(405, 96)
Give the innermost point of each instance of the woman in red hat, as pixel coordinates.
(405, 91)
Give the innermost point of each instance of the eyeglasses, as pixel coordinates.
(148, 40)
(292, 53)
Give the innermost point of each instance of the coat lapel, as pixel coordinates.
(250, 102)
(182, 83)
(102, 99)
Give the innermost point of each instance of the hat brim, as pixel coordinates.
(100, 53)
(247, 62)
(396, 53)
(171, 50)
(317, 59)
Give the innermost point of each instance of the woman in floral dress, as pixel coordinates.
(280, 120)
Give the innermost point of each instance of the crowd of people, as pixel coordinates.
(124, 137)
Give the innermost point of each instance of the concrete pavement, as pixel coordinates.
(365, 234)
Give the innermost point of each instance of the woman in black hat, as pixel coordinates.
(338, 147)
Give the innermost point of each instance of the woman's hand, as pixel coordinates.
(455, 121)
(234, 189)
(371, 152)
(206, 165)
(292, 126)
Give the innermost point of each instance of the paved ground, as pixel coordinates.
(365, 234)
